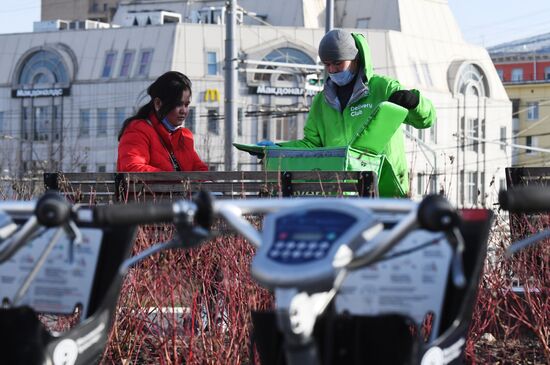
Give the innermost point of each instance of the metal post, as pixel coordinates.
(329, 15)
(230, 93)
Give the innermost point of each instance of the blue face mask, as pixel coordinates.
(171, 128)
(342, 78)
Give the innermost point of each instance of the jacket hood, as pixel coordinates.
(360, 88)
(364, 53)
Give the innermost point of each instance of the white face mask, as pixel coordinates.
(342, 78)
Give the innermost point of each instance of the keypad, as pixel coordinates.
(304, 237)
(289, 252)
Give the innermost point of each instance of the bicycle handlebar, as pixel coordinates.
(528, 199)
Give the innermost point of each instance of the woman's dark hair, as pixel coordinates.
(169, 88)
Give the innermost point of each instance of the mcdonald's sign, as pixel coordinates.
(211, 95)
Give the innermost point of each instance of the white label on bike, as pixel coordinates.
(61, 283)
(65, 352)
(411, 283)
(433, 356)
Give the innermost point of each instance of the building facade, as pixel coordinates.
(64, 94)
(99, 10)
(524, 68)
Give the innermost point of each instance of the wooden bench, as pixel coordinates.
(95, 188)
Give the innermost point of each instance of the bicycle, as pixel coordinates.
(99, 239)
(311, 253)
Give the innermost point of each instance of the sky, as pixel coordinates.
(483, 22)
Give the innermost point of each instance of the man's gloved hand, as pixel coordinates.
(266, 143)
(405, 98)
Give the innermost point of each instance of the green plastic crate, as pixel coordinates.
(333, 159)
(321, 159)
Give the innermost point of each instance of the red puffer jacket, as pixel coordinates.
(140, 148)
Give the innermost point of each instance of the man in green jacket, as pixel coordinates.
(351, 93)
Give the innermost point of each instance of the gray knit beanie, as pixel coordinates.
(337, 45)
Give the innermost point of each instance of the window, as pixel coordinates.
(83, 168)
(120, 117)
(362, 23)
(1, 122)
(101, 122)
(547, 73)
(515, 108)
(42, 123)
(240, 117)
(530, 141)
(472, 131)
(517, 74)
(533, 110)
(108, 65)
(44, 67)
(433, 133)
(190, 120)
(292, 131)
(500, 73)
(284, 55)
(421, 135)
(471, 186)
(84, 126)
(432, 184)
(26, 123)
(503, 142)
(265, 127)
(145, 59)
(285, 127)
(56, 120)
(483, 136)
(211, 63)
(213, 121)
(101, 168)
(279, 128)
(420, 189)
(127, 59)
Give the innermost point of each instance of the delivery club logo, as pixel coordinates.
(358, 110)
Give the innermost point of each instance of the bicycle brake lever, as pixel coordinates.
(193, 237)
(457, 263)
(527, 242)
(75, 237)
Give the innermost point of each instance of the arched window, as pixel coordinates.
(283, 55)
(471, 76)
(43, 67)
(473, 87)
(289, 55)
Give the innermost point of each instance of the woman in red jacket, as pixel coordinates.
(154, 139)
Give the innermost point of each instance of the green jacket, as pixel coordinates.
(327, 126)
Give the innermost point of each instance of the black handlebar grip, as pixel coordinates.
(133, 214)
(435, 213)
(52, 210)
(527, 199)
(205, 211)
